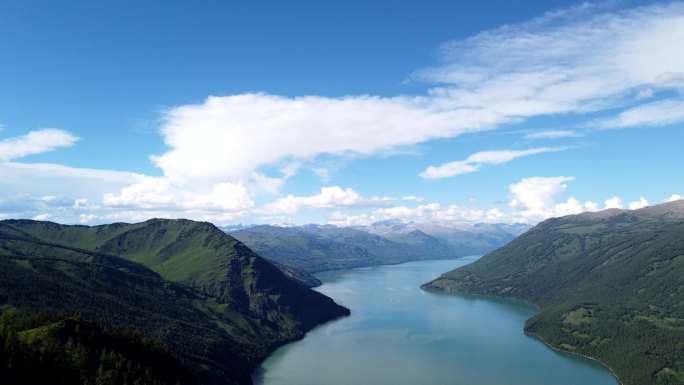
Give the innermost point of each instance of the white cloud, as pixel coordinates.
(658, 113)
(423, 213)
(475, 161)
(591, 206)
(571, 61)
(571, 206)
(552, 134)
(534, 197)
(614, 203)
(575, 60)
(584, 59)
(228, 138)
(642, 202)
(412, 198)
(670, 80)
(42, 217)
(158, 193)
(149, 192)
(674, 197)
(50, 180)
(329, 197)
(35, 142)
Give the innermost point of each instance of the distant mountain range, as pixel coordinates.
(195, 292)
(313, 248)
(610, 285)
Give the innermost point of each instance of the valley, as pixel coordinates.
(609, 285)
(315, 248)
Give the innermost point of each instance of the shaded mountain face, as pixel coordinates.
(73, 351)
(217, 306)
(314, 248)
(610, 285)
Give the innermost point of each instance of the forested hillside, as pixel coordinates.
(313, 248)
(610, 286)
(216, 306)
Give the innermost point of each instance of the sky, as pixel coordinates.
(338, 112)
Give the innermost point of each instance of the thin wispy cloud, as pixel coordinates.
(603, 67)
(35, 142)
(654, 114)
(576, 60)
(476, 161)
(552, 134)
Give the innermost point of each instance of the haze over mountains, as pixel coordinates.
(610, 285)
(313, 248)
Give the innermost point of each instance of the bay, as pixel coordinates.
(401, 335)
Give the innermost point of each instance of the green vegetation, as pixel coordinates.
(207, 299)
(610, 286)
(73, 351)
(314, 248)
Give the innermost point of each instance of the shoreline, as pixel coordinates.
(431, 289)
(537, 336)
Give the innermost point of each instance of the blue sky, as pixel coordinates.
(338, 112)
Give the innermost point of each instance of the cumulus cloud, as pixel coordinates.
(329, 197)
(575, 60)
(674, 197)
(535, 196)
(534, 199)
(626, 63)
(614, 203)
(642, 202)
(422, 213)
(228, 138)
(35, 142)
(476, 161)
(158, 193)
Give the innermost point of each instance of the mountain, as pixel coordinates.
(460, 238)
(313, 248)
(73, 351)
(215, 305)
(610, 285)
(308, 248)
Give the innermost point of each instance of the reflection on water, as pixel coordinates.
(398, 334)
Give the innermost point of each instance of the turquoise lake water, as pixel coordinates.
(400, 335)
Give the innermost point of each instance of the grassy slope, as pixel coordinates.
(212, 301)
(610, 286)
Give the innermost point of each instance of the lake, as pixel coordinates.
(398, 334)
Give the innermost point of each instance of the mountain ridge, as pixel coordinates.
(609, 285)
(313, 248)
(210, 299)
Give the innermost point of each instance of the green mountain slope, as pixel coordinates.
(73, 351)
(217, 306)
(314, 248)
(610, 286)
